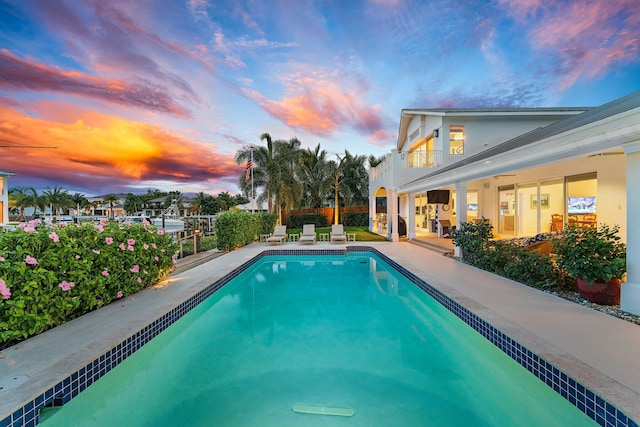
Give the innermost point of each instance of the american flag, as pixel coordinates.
(247, 171)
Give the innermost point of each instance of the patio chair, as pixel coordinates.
(337, 233)
(279, 235)
(308, 234)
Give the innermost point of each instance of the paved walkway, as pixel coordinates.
(600, 351)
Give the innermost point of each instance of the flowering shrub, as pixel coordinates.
(51, 274)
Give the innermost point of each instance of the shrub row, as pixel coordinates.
(510, 261)
(50, 274)
(297, 221)
(235, 229)
(356, 219)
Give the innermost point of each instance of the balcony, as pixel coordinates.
(401, 167)
(423, 158)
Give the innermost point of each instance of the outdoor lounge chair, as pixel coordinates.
(308, 234)
(337, 233)
(279, 235)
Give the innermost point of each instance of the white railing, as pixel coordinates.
(385, 166)
(424, 159)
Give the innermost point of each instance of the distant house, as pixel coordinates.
(4, 196)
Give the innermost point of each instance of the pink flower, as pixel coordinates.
(1, 259)
(139, 280)
(135, 268)
(145, 246)
(108, 240)
(100, 229)
(130, 248)
(155, 258)
(121, 246)
(173, 259)
(131, 242)
(77, 256)
(120, 294)
(105, 273)
(65, 286)
(103, 221)
(154, 246)
(160, 232)
(30, 260)
(4, 290)
(95, 251)
(53, 236)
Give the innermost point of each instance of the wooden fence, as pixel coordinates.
(328, 212)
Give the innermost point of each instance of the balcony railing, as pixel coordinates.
(424, 159)
(414, 159)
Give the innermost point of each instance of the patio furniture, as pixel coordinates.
(308, 234)
(337, 233)
(279, 235)
(557, 222)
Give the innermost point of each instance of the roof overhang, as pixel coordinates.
(568, 139)
(407, 115)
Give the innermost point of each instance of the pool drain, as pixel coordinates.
(323, 410)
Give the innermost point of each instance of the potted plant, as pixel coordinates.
(596, 258)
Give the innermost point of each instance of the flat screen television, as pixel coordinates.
(581, 205)
(438, 196)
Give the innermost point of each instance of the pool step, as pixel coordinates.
(323, 410)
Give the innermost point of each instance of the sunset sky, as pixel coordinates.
(160, 94)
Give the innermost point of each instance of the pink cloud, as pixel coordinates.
(19, 74)
(585, 39)
(322, 104)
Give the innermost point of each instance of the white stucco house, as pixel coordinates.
(4, 196)
(518, 168)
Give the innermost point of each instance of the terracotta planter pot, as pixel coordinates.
(600, 292)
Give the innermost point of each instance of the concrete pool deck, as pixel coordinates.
(600, 351)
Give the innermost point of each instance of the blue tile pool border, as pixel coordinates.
(594, 406)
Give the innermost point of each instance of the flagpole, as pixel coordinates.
(253, 195)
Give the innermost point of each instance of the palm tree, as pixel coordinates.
(80, 201)
(22, 198)
(336, 182)
(356, 179)
(265, 171)
(315, 174)
(290, 190)
(131, 203)
(58, 199)
(374, 161)
(111, 199)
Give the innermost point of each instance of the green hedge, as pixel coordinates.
(356, 219)
(508, 260)
(235, 229)
(205, 243)
(50, 274)
(317, 219)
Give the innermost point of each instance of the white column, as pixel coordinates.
(461, 202)
(392, 215)
(372, 209)
(630, 290)
(461, 211)
(411, 225)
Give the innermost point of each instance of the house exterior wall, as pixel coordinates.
(4, 200)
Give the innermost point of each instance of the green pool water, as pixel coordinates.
(347, 337)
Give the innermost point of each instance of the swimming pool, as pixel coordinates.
(295, 336)
(72, 385)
